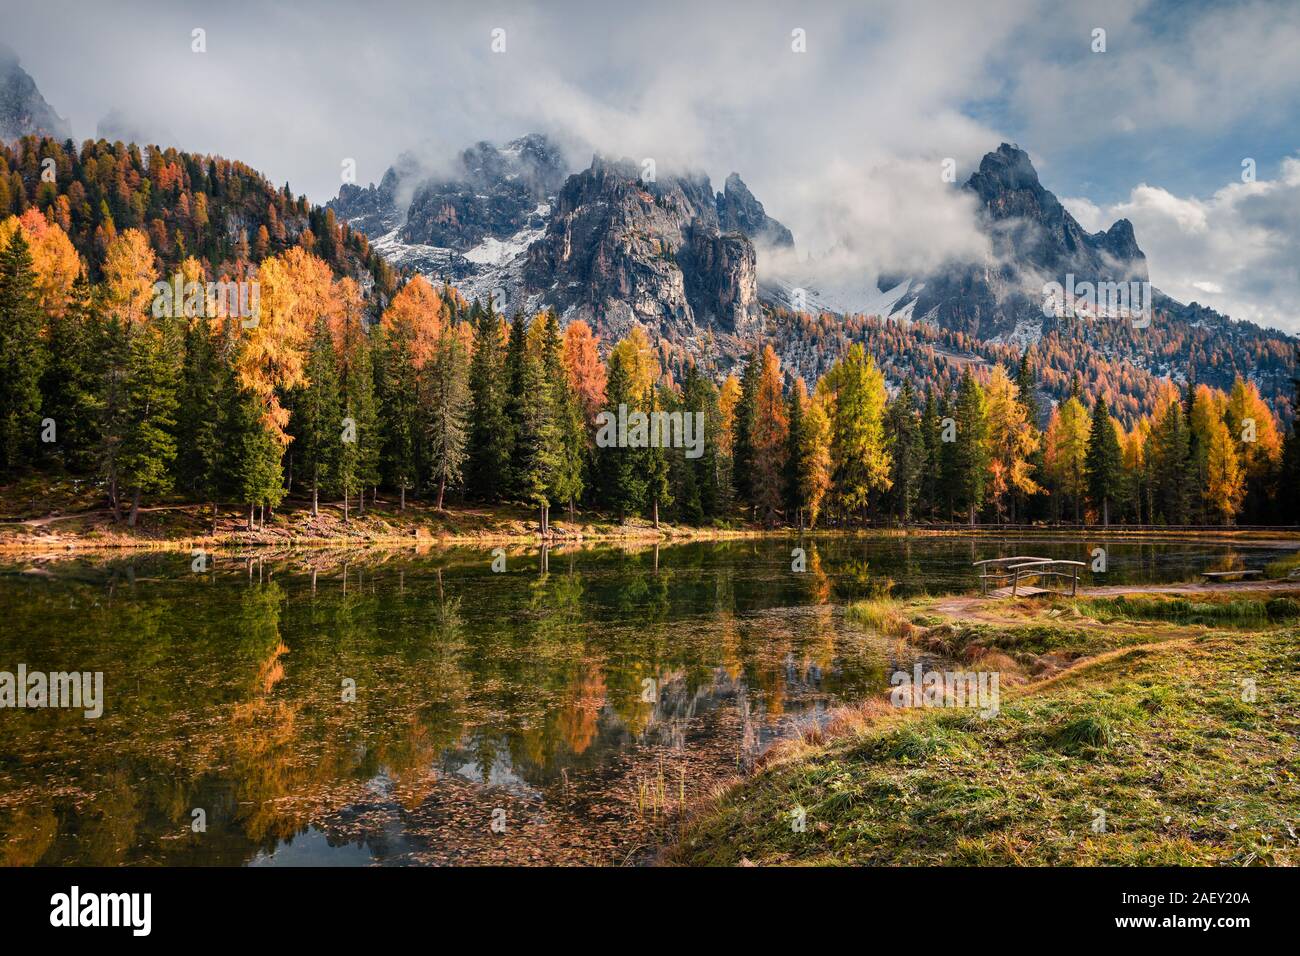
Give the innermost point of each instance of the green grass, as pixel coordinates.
(1181, 610)
(1146, 755)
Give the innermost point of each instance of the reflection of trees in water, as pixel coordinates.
(238, 707)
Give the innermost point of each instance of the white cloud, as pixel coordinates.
(1237, 251)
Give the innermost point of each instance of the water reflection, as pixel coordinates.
(577, 698)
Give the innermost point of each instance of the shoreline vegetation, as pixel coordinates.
(1153, 727)
(39, 524)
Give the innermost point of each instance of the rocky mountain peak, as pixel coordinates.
(739, 211)
(23, 110)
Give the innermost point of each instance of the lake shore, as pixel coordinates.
(1133, 729)
(70, 518)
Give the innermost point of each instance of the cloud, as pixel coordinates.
(1237, 251)
(842, 143)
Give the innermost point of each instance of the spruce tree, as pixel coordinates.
(397, 392)
(907, 453)
(149, 440)
(70, 383)
(487, 465)
(972, 456)
(743, 427)
(449, 403)
(1103, 463)
(199, 414)
(316, 419)
(22, 357)
(654, 462)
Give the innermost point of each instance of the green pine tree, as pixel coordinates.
(22, 358)
(1103, 462)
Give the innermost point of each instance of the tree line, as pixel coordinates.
(330, 392)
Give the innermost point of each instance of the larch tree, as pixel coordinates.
(1067, 449)
(860, 461)
(1012, 441)
(1225, 484)
(768, 439)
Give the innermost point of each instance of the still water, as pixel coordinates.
(334, 708)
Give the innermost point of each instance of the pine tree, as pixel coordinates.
(794, 445)
(199, 414)
(515, 376)
(768, 437)
(449, 403)
(972, 453)
(22, 357)
(487, 467)
(566, 480)
(621, 485)
(1103, 463)
(743, 419)
(906, 451)
(69, 385)
(149, 442)
(397, 392)
(357, 396)
(317, 416)
(654, 462)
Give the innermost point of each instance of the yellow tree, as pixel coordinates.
(814, 474)
(638, 359)
(585, 369)
(130, 270)
(55, 262)
(1012, 438)
(296, 288)
(1225, 484)
(418, 315)
(728, 397)
(1253, 429)
(769, 438)
(1067, 447)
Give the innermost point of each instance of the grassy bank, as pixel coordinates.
(1125, 736)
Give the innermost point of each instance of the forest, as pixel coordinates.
(352, 379)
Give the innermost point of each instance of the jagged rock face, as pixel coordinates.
(495, 193)
(1034, 240)
(739, 211)
(23, 111)
(619, 250)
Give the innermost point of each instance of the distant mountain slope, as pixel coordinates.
(218, 210)
(23, 110)
(680, 259)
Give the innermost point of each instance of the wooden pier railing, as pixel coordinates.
(1010, 577)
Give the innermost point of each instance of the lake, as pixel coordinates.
(400, 707)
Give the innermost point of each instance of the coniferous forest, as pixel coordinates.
(352, 380)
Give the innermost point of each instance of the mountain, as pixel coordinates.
(603, 245)
(1033, 241)
(619, 250)
(600, 244)
(23, 110)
